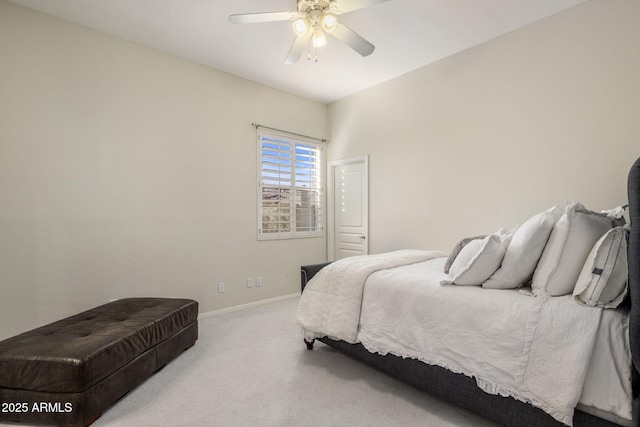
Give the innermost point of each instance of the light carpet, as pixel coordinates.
(250, 367)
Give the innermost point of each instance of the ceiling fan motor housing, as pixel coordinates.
(307, 6)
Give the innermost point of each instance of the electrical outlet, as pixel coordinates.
(250, 282)
(258, 281)
(220, 288)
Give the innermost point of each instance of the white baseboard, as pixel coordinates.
(245, 306)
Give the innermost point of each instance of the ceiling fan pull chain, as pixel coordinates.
(316, 44)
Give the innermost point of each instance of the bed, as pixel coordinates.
(542, 354)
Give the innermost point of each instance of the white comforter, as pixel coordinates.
(331, 302)
(535, 349)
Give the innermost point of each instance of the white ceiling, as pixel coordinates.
(408, 34)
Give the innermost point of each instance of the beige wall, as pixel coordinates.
(488, 137)
(125, 171)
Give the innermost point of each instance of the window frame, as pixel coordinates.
(288, 181)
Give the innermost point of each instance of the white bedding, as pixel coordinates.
(331, 302)
(607, 389)
(535, 349)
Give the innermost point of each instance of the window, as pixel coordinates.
(290, 187)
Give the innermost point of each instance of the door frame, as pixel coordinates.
(331, 214)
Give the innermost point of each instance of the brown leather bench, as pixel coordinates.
(68, 372)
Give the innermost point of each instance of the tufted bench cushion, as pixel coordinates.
(111, 347)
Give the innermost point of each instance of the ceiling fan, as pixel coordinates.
(311, 21)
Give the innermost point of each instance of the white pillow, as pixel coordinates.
(476, 261)
(505, 235)
(456, 250)
(524, 251)
(603, 279)
(570, 242)
(616, 215)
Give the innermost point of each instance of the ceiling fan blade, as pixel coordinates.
(254, 18)
(346, 6)
(353, 40)
(297, 48)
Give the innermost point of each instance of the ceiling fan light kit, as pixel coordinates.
(312, 20)
(318, 39)
(328, 22)
(301, 26)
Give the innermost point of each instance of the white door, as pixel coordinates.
(349, 208)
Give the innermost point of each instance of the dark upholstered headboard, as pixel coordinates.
(633, 251)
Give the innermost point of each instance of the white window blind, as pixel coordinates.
(290, 186)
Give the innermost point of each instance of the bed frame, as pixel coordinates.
(463, 391)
